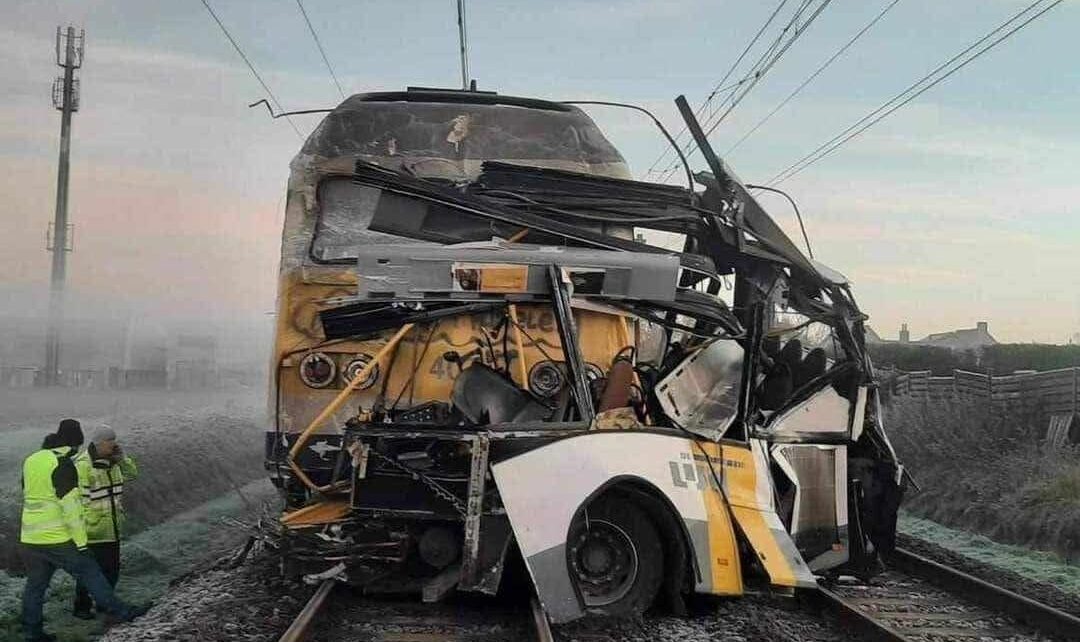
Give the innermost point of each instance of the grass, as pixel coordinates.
(1062, 491)
(197, 452)
(988, 472)
(151, 560)
(189, 451)
(1041, 566)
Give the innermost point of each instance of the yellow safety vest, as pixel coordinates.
(102, 485)
(52, 507)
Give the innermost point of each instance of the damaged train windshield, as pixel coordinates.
(346, 214)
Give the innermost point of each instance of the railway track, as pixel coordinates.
(345, 618)
(920, 600)
(917, 600)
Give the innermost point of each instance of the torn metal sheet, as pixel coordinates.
(479, 351)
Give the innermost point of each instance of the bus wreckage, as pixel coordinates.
(486, 354)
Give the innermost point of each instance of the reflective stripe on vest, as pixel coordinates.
(103, 493)
(102, 488)
(43, 517)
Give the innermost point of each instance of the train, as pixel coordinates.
(496, 350)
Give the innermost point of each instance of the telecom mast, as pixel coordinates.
(69, 56)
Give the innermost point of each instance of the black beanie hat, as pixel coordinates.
(70, 433)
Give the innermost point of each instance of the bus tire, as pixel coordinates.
(615, 558)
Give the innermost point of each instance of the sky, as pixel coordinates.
(963, 206)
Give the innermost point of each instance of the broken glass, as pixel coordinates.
(702, 393)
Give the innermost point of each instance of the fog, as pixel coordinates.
(226, 341)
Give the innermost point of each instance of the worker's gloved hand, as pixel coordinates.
(117, 454)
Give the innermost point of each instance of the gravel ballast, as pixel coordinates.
(752, 617)
(1039, 591)
(248, 603)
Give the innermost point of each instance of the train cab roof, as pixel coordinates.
(465, 127)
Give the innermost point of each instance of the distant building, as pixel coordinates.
(108, 353)
(963, 339)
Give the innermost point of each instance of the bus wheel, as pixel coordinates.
(615, 558)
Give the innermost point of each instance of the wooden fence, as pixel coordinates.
(1053, 393)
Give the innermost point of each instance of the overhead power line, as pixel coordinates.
(796, 26)
(813, 76)
(734, 65)
(752, 75)
(765, 61)
(250, 66)
(916, 89)
(769, 62)
(720, 85)
(318, 44)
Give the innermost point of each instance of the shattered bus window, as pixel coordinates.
(495, 348)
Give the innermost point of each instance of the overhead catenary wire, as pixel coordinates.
(674, 142)
(250, 66)
(318, 43)
(794, 206)
(755, 70)
(783, 41)
(799, 30)
(720, 85)
(839, 52)
(915, 90)
(656, 121)
(729, 91)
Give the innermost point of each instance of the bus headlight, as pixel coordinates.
(317, 370)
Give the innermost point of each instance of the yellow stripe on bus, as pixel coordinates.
(723, 547)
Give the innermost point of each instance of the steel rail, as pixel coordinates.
(300, 628)
(1035, 614)
(855, 619)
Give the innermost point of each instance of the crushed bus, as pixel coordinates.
(487, 352)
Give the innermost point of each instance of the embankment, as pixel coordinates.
(190, 448)
(989, 473)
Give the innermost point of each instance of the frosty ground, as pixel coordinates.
(192, 448)
(202, 482)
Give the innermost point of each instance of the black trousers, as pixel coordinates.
(42, 562)
(107, 555)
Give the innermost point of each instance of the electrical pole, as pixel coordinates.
(69, 56)
(463, 41)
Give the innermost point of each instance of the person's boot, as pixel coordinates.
(83, 607)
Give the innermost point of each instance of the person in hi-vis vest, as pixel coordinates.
(103, 468)
(53, 532)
